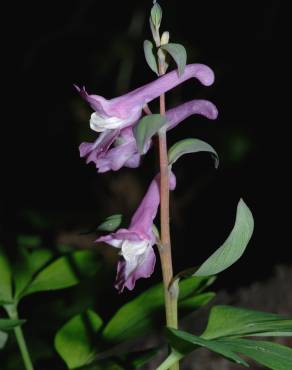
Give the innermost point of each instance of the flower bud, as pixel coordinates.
(156, 15)
(164, 38)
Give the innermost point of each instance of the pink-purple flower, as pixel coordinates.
(114, 149)
(137, 257)
(125, 110)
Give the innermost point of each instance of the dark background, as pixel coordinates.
(49, 189)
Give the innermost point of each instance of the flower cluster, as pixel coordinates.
(116, 147)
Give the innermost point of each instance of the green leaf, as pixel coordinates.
(272, 355)
(111, 223)
(146, 128)
(63, 273)
(196, 301)
(145, 312)
(27, 265)
(75, 340)
(3, 339)
(149, 56)
(234, 246)
(184, 343)
(187, 146)
(228, 321)
(179, 54)
(5, 279)
(8, 324)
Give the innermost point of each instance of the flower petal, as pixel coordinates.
(128, 275)
(92, 151)
(183, 111)
(138, 98)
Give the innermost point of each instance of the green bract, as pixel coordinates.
(111, 223)
(146, 128)
(178, 53)
(187, 146)
(149, 56)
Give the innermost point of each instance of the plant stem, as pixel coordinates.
(13, 314)
(165, 250)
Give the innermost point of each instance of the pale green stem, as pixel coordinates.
(13, 314)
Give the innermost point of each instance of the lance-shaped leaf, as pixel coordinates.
(145, 312)
(75, 340)
(228, 321)
(183, 343)
(64, 272)
(5, 279)
(272, 355)
(146, 128)
(179, 54)
(111, 223)
(149, 56)
(234, 246)
(187, 146)
(8, 324)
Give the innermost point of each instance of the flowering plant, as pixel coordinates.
(126, 129)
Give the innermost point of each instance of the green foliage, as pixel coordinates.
(183, 343)
(149, 56)
(190, 145)
(63, 273)
(146, 128)
(234, 246)
(222, 335)
(5, 279)
(8, 324)
(75, 340)
(196, 301)
(27, 265)
(111, 223)
(272, 355)
(179, 55)
(144, 313)
(228, 321)
(3, 339)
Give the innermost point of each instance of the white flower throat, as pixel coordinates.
(130, 250)
(100, 124)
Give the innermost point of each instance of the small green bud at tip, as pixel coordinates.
(156, 15)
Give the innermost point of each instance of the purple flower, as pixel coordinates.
(125, 110)
(124, 151)
(136, 243)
